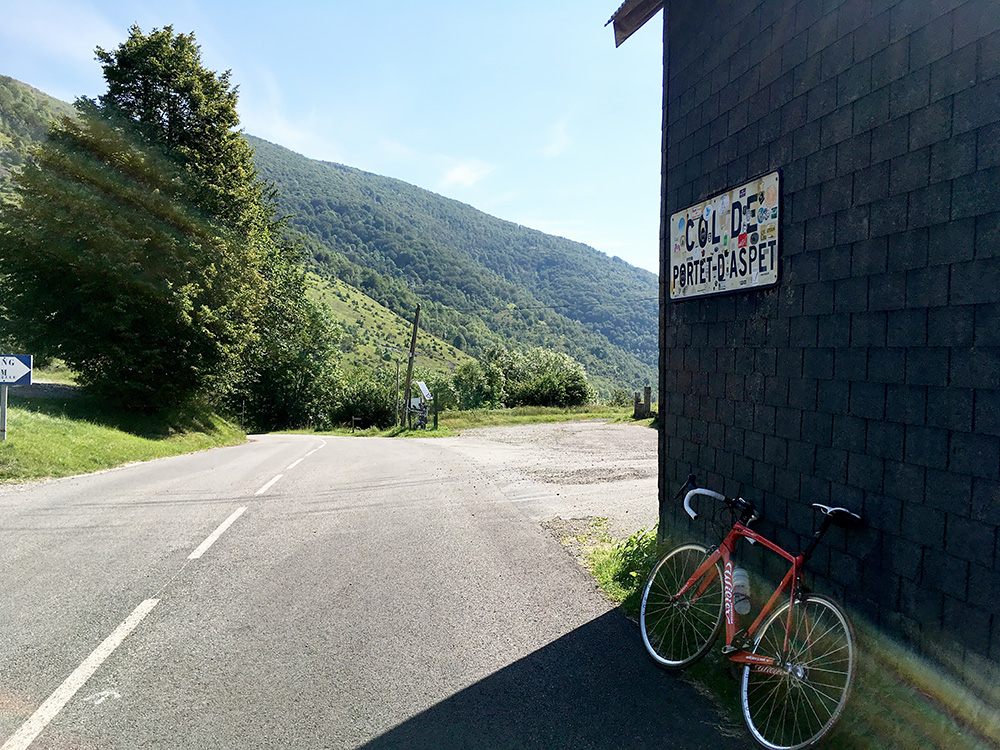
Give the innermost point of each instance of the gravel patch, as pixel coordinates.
(569, 473)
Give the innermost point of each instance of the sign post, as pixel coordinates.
(15, 369)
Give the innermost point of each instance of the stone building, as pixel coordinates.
(857, 362)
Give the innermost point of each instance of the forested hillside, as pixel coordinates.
(481, 281)
(25, 114)
(488, 277)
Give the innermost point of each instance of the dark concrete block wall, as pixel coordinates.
(870, 375)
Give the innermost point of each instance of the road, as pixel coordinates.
(307, 592)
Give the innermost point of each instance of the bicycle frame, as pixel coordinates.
(789, 585)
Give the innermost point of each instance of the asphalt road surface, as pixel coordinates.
(306, 592)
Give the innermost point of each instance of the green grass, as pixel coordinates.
(374, 335)
(56, 438)
(899, 699)
(57, 372)
(452, 423)
(463, 420)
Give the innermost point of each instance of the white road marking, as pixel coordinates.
(315, 449)
(213, 537)
(269, 485)
(295, 463)
(55, 702)
(99, 698)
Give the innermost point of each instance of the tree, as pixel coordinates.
(157, 83)
(469, 384)
(369, 397)
(538, 377)
(109, 267)
(138, 244)
(290, 375)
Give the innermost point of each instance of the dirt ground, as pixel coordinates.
(565, 475)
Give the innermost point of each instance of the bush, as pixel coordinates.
(370, 397)
(621, 397)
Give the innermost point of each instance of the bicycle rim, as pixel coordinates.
(679, 631)
(798, 704)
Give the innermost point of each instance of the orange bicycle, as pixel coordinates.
(797, 656)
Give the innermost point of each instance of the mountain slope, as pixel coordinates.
(373, 335)
(25, 114)
(511, 280)
(479, 280)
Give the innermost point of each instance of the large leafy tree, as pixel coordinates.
(290, 375)
(111, 268)
(139, 243)
(156, 82)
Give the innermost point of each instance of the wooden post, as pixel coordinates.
(409, 368)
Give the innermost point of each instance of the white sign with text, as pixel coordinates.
(728, 243)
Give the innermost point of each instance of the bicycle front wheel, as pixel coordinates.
(797, 701)
(679, 630)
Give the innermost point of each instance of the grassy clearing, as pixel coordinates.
(57, 372)
(452, 423)
(63, 437)
(456, 421)
(375, 336)
(899, 699)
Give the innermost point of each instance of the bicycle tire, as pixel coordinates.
(679, 632)
(799, 706)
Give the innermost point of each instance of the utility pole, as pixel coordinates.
(409, 368)
(397, 391)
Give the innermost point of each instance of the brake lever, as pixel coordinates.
(690, 484)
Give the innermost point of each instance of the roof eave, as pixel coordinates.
(630, 17)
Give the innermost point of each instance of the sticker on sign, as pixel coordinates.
(728, 243)
(15, 369)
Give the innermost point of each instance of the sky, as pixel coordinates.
(523, 109)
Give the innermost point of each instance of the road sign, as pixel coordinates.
(15, 369)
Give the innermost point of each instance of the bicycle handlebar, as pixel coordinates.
(748, 514)
(698, 491)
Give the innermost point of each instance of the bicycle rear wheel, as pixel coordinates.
(795, 703)
(677, 631)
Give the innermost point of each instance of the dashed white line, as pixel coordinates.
(55, 702)
(269, 485)
(315, 449)
(215, 535)
(37, 722)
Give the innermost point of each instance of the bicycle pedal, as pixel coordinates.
(727, 650)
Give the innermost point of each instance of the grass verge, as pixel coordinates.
(62, 437)
(899, 699)
(452, 423)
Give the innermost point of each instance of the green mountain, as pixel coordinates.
(374, 335)
(487, 279)
(25, 114)
(479, 280)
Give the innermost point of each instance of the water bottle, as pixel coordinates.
(741, 591)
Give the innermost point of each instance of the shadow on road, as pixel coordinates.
(592, 688)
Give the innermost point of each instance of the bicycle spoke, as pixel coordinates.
(797, 708)
(678, 630)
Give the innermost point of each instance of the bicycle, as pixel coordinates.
(797, 657)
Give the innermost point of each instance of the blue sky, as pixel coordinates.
(523, 108)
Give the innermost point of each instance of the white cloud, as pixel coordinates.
(466, 173)
(559, 141)
(63, 30)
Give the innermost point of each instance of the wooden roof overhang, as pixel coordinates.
(630, 17)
